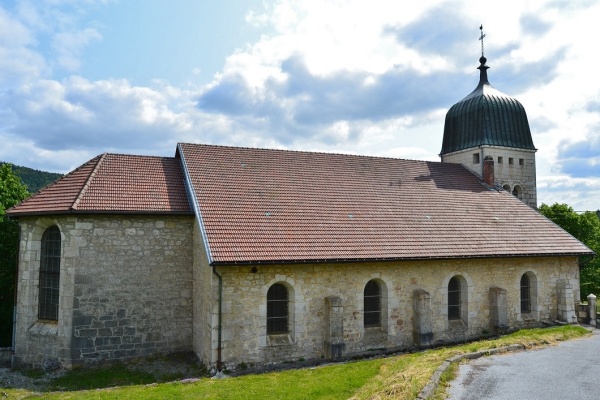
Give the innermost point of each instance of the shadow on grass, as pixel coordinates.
(143, 371)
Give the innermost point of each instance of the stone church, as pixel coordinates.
(257, 256)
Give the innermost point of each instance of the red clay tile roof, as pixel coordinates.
(274, 205)
(114, 183)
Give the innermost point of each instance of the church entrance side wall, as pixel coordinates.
(311, 289)
(125, 289)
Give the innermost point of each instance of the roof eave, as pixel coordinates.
(378, 259)
(95, 212)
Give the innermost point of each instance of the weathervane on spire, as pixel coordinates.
(481, 38)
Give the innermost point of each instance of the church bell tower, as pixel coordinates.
(489, 123)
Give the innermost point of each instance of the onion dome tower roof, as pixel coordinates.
(486, 117)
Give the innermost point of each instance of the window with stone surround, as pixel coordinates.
(277, 310)
(528, 295)
(454, 299)
(49, 274)
(525, 294)
(372, 304)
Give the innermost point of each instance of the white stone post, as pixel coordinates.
(498, 310)
(566, 302)
(335, 348)
(592, 309)
(422, 321)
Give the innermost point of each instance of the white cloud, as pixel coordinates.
(69, 45)
(348, 76)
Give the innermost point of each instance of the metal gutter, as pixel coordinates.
(354, 260)
(96, 212)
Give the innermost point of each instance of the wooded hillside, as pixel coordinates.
(34, 179)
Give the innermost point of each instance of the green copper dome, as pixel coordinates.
(486, 117)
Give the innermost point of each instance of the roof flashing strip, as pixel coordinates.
(87, 183)
(193, 200)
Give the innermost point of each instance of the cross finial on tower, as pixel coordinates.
(481, 38)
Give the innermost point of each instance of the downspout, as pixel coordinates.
(219, 330)
(14, 326)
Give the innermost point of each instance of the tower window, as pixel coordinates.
(476, 158)
(521, 161)
(511, 161)
(518, 192)
(500, 159)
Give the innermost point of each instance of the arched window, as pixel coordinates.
(507, 188)
(277, 309)
(525, 294)
(49, 274)
(454, 298)
(518, 192)
(372, 307)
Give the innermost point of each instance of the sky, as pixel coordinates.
(83, 77)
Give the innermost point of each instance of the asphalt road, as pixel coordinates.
(570, 370)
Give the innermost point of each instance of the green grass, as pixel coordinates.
(398, 377)
(117, 375)
(33, 372)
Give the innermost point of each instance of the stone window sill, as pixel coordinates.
(371, 331)
(44, 328)
(528, 317)
(279, 340)
(457, 325)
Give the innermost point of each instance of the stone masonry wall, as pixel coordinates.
(205, 303)
(244, 303)
(125, 289)
(504, 172)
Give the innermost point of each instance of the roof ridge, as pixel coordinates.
(87, 182)
(136, 155)
(68, 174)
(308, 152)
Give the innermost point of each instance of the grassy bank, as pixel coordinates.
(398, 377)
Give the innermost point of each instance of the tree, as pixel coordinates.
(12, 191)
(586, 228)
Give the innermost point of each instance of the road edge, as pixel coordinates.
(434, 381)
